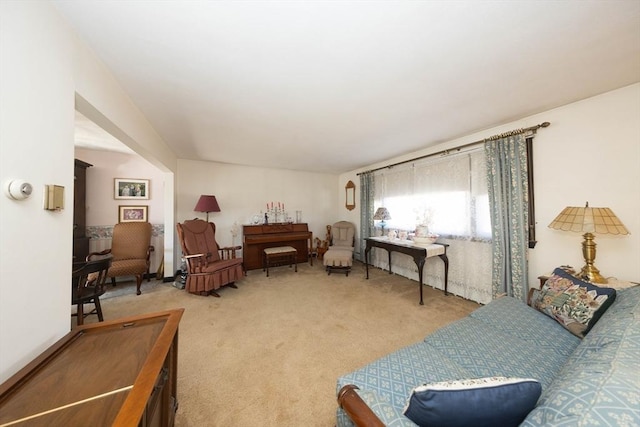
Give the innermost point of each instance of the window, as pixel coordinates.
(449, 194)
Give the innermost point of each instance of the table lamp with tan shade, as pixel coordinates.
(589, 220)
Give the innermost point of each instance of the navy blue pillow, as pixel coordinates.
(495, 401)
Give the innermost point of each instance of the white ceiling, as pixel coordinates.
(332, 86)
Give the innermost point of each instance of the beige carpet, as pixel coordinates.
(269, 353)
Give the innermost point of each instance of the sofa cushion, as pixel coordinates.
(575, 304)
(537, 330)
(486, 351)
(479, 402)
(394, 376)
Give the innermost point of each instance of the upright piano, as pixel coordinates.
(258, 237)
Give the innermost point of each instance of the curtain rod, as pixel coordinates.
(491, 138)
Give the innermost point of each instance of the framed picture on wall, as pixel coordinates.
(132, 189)
(133, 213)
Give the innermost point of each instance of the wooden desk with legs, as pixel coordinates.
(417, 252)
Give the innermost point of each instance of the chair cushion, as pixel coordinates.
(342, 234)
(222, 264)
(199, 238)
(130, 240)
(337, 258)
(127, 267)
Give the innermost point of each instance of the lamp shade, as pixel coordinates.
(589, 220)
(207, 204)
(382, 214)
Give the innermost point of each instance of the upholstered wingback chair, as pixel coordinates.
(209, 266)
(343, 235)
(130, 250)
(339, 256)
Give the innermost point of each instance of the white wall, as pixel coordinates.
(242, 191)
(36, 143)
(591, 152)
(102, 207)
(43, 67)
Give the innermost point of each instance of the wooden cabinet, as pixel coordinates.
(121, 373)
(80, 239)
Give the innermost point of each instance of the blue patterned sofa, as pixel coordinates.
(589, 381)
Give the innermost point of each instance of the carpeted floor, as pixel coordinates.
(269, 353)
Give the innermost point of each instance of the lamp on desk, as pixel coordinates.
(588, 221)
(207, 204)
(382, 215)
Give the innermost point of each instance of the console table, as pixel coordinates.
(120, 372)
(419, 254)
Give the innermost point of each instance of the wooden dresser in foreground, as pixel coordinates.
(116, 373)
(259, 237)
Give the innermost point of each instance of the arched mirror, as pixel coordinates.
(350, 189)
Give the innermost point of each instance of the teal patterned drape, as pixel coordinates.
(367, 193)
(507, 175)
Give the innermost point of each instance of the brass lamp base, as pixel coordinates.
(592, 274)
(589, 272)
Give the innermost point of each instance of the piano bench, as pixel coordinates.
(278, 256)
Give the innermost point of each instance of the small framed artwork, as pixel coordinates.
(132, 189)
(133, 213)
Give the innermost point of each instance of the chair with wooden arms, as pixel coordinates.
(209, 266)
(87, 286)
(131, 251)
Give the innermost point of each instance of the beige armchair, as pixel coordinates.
(130, 250)
(339, 256)
(209, 266)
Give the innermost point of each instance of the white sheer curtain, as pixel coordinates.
(450, 194)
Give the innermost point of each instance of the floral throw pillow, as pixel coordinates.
(575, 304)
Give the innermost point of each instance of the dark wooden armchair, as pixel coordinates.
(209, 266)
(130, 250)
(87, 286)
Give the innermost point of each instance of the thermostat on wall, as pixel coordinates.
(17, 189)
